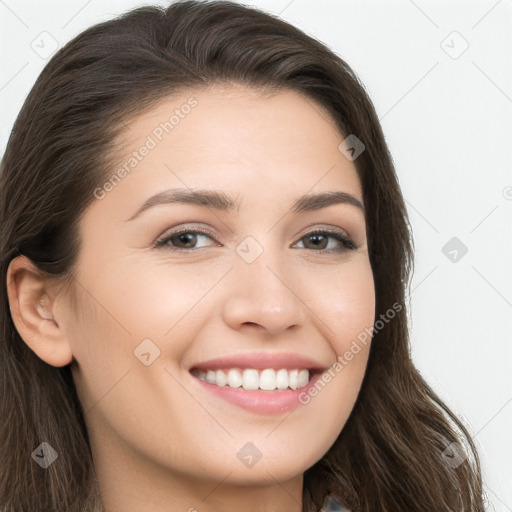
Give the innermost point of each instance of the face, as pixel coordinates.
(176, 297)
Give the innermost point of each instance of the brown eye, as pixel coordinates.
(185, 239)
(319, 241)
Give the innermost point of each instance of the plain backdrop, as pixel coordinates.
(440, 76)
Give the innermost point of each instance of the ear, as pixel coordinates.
(33, 310)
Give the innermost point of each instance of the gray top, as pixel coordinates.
(333, 504)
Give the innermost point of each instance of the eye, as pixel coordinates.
(182, 240)
(320, 241)
(186, 239)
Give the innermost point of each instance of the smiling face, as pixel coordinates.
(169, 292)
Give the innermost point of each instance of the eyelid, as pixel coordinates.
(312, 228)
(337, 233)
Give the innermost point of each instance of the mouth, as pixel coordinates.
(252, 379)
(262, 383)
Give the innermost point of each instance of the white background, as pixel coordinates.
(447, 117)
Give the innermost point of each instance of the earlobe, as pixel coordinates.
(33, 312)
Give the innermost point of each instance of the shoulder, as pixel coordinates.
(333, 504)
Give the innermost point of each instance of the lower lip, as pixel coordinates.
(260, 402)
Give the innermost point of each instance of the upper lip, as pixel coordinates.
(262, 360)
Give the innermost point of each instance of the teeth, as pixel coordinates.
(293, 379)
(234, 379)
(220, 378)
(251, 379)
(268, 380)
(282, 379)
(302, 378)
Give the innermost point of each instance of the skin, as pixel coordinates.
(159, 441)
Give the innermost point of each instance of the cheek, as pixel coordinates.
(139, 300)
(349, 312)
(122, 305)
(346, 303)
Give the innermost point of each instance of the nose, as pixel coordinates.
(263, 296)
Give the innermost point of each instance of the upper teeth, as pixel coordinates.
(251, 379)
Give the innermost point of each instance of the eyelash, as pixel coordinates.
(163, 243)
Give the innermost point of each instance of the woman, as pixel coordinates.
(206, 252)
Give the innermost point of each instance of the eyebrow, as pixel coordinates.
(218, 200)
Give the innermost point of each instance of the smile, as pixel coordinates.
(267, 379)
(259, 382)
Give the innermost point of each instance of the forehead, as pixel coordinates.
(256, 143)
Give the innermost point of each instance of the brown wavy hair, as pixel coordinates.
(389, 455)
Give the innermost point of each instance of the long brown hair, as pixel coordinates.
(390, 455)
